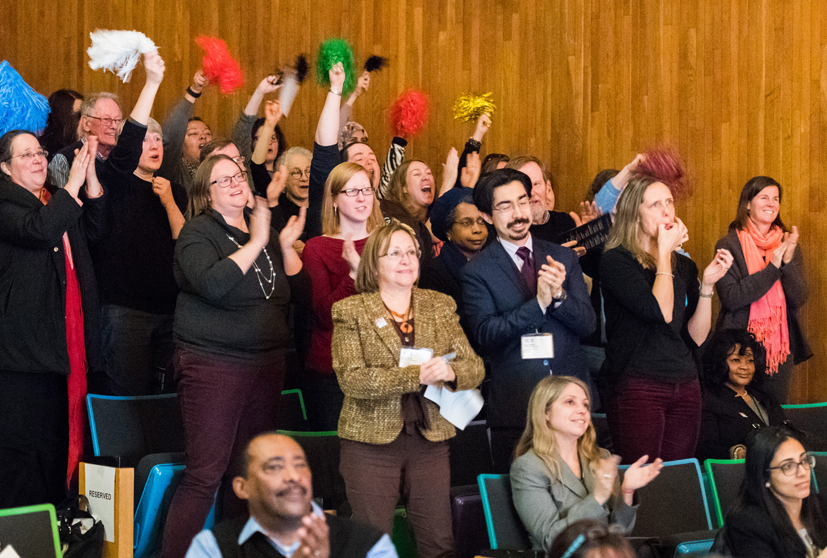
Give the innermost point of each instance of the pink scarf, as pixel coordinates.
(768, 314)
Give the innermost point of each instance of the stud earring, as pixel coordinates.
(767, 484)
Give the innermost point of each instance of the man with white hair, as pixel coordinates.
(101, 116)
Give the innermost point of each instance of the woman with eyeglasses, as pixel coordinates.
(778, 515)
(350, 212)
(389, 343)
(457, 222)
(49, 320)
(237, 277)
(294, 195)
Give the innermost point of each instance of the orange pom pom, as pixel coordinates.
(219, 66)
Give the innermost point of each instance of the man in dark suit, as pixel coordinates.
(527, 306)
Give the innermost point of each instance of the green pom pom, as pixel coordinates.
(331, 52)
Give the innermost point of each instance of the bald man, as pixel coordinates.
(284, 521)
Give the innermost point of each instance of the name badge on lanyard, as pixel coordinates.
(537, 345)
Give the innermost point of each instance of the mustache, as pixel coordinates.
(515, 222)
(290, 487)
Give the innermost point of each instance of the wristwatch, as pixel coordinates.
(559, 297)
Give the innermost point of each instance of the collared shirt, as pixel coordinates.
(204, 544)
(511, 250)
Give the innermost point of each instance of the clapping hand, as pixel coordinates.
(260, 222)
(77, 174)
(276, 186)
(792, 242)
(605, 475)
(314, 537)
(639, 474)
(717, 268)
(550, 280)
(292, 230)
(93, 185)
(351, 256)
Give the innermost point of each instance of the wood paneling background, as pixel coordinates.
(738, 86)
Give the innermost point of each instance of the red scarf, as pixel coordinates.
(768, 314)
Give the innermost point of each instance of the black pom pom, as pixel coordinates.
(301, 68)
(375, 63)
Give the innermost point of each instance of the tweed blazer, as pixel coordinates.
(366, 352)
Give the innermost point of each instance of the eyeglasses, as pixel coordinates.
(107, 121)
(353, 192)
(790, 468)
(297, 174)
(30, 155)
(508, 207)
(396, 255)
(225, 181)
(238, 160)
(467, 223)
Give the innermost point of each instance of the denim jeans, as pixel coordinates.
(658, 419)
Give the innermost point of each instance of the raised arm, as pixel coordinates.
(272, 112)
(328, 126)
(243, 129)
(154, 66)
(175, 127)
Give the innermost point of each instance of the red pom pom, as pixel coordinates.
(666, 164)
(409, 113)
(219, 66)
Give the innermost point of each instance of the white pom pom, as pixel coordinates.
(289, 90)
(118, 51)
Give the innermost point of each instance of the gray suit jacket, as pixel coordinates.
(547, 506)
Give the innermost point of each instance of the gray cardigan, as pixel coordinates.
(547, 506)
(738, 290)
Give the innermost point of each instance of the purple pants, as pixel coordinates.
(658, 419)
(224, 405)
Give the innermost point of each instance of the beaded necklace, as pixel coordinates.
(260, 275)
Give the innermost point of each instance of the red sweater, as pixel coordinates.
(330, 282)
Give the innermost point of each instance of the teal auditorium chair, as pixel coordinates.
(505, 529)
(811, 419)
(725, 479)
(676, 510)
(146, 433)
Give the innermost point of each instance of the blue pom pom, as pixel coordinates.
(21, 107)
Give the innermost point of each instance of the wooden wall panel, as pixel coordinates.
(738, 86)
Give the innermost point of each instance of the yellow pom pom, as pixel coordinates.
(470, 107)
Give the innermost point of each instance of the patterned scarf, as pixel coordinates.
(768, 314)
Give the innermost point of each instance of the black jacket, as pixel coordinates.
(749, 533)
(727, 420)
(33, 278)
